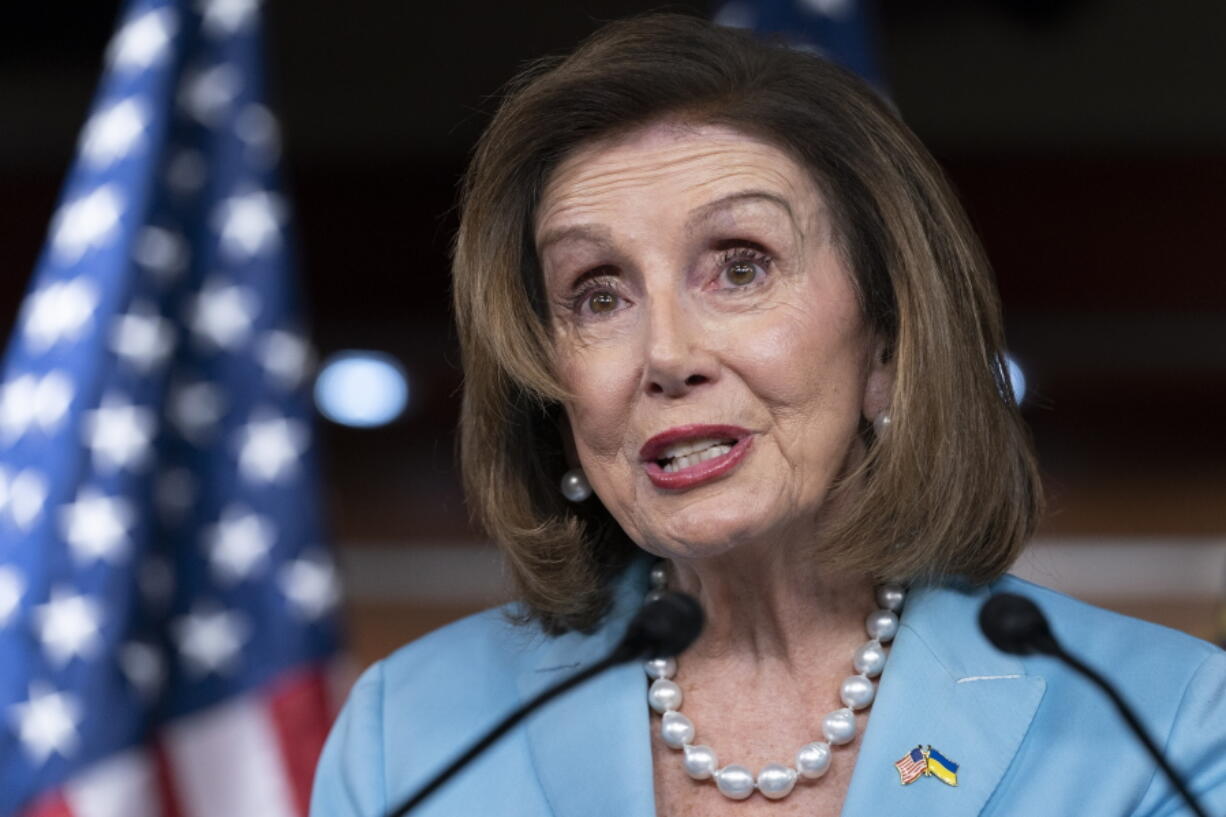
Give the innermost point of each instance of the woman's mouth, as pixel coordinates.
(687, 456)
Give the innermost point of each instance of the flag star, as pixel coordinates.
(258, 129)
(210, 640)
(96, 526)
(223, 17)
(195, 408)
(144, 667)
(68, 626)
(143, 41)
(119, 434)
(142, 337)
(12, 588)
(47, 723)
(162, 252)
(58, 311)
(174, 492)
(269, 448)
(286, 356)
(249, 223)
(238, 544)
(156, 580)
(85, 223)
(207, 93)
(310, 584)
(30, 400)
(26, 494)
(222, 314)
(186, 171)
(111, 134)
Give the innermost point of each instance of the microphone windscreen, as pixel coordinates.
(663, 627)
(1015, 624)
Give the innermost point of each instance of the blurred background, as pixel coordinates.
(1087, 139)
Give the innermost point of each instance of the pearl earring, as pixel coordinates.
(881, 423)
(575, 486)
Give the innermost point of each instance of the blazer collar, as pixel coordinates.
(944, 685)
(592, 746)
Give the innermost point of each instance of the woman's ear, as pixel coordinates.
(879, 385)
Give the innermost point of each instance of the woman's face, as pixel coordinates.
(709, 332)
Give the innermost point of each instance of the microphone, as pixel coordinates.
(1015, 624)
(664, 627)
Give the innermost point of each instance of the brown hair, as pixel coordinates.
(951, 489)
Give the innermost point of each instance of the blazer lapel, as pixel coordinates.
(592, 746)
(947, 687)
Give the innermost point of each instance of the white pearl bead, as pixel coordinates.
(660, 667)
(882, 624)
(676, 729)
(664, 695)
(735, 782)
(575, 486)
(839, 726)
(870, 659)
(700, 762)
(659, 576)
(813, 759)
(856, 692)
(891, 596)
(776, 781)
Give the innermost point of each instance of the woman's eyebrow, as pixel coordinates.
(706, 211)
(590, 233)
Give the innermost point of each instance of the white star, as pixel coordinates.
(238, 544)
(30, 400)
(210, 640)
(221, 314)
(111, 134)
(68, 626)
(258, 129)
(207, 94)
(85, 223)
(835, 9)
(119, 434)
(286, 356)
(96, 526)
(249, 223)
(174, 493)
(144, 667)
(162, 252)
(156, 580)
(58, 311)
(310, 585)
(12, 588)
(26, 495)
(142, 337)
(143, 41)
(186, 171)
(47, 723)
(195, 409)
(269, 448)
(223, 17)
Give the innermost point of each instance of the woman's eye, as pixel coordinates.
(741, 273)
(743, 267)
(601, 302)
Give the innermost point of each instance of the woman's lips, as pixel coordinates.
(700, 472)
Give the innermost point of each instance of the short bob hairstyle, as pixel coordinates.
(951, 489)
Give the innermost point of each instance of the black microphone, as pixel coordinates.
(664, 627)
(1015, 624)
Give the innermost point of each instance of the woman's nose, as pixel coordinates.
(678, 353)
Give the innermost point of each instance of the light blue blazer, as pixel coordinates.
(1032, 738)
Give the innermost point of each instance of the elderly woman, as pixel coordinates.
(726, 331)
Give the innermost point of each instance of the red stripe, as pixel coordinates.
(167, 788)
(49, 805)
(301, 714)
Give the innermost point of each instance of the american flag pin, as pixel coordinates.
(924, 761)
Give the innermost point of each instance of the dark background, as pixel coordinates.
(1088, 140)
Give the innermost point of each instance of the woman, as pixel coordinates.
(718, 290)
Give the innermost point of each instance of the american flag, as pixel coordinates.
(840, 30)
(166, 602)
(911, 766)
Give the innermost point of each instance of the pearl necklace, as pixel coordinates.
(774, 780)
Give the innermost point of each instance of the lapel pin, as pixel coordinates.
(924, 761)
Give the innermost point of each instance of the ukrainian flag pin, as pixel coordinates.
(924, 761)
(941, 767)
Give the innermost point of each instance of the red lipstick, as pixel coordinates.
(653, 451)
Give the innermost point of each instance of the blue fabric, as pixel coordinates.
(1031, 736)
